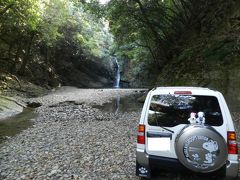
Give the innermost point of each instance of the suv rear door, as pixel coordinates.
(168, 114)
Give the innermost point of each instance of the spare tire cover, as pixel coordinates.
(201, 148)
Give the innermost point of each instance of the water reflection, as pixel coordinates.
(117, 75)
(122, 104)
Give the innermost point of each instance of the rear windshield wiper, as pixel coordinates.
(169, 130)
(162, 126)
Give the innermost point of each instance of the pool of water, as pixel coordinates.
(122, 104)
(12, 125)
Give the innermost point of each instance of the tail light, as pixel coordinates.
(232, 143)
(141, 134)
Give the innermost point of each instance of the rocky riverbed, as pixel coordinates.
(70, 139)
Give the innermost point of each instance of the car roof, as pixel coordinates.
(193, 90)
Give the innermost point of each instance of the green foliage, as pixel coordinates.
(148, 34)
(54, 15)
(142, 23)
(176, 32)
(32, 31)
(219, 51)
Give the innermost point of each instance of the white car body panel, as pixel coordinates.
(150, 147)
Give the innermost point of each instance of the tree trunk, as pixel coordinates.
(158, 40)
(26, 57)
(15, 60)
(149, 24)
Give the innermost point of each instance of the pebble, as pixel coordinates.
(71, 140)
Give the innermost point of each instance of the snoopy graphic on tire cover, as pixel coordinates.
(211, 146)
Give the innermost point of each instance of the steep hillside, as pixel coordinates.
(211, 59)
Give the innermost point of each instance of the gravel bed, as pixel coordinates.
(88, 96)
(72, 140)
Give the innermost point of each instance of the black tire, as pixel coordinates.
(201, 148)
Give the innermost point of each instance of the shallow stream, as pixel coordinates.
(13, 125)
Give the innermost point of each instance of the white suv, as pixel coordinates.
(186, 128)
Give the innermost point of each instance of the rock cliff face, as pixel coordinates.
(224, 78)
(86, 73)
(83, 69)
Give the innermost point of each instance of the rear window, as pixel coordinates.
(171, 110)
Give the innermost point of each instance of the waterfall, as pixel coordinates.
(117, 75)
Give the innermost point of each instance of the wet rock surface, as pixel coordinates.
(10, 107)
(72, 140)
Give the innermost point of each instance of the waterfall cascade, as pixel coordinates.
(117, 75)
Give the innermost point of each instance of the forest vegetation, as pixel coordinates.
(157, 42)
(48, 42)
(177, 42)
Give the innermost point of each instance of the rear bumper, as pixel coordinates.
(232, 168)
(166, 163)
(142, 157)
(150, 162)
(142, 164)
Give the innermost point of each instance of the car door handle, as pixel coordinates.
(159, 134)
